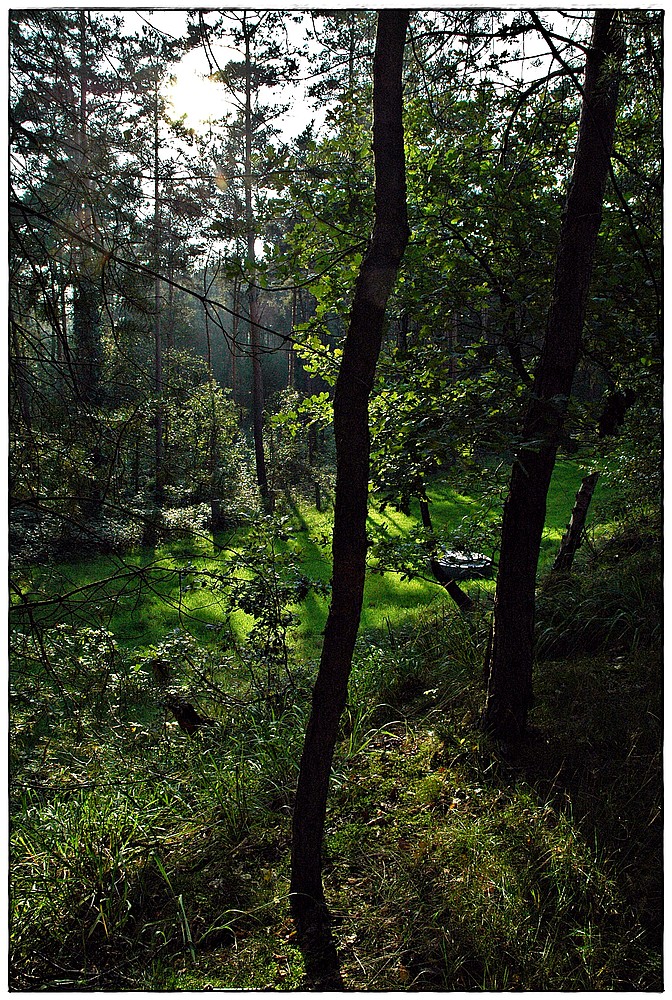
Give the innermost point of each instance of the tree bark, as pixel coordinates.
(87, 299)
(234, 337)
(19, 373)
(86, 337)
(510, 668)
(571, 540)
(290, 345)
(351, 428)
(252, 290)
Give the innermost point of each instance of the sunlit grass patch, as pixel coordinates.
(145, 594)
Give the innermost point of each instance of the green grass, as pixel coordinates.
(143, 859)
(390, 599)
(152, 592)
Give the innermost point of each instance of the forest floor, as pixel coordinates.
(142, 595)
(146, 859)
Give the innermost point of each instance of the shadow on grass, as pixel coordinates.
(595, 753)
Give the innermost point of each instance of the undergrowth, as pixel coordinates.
(146, 859)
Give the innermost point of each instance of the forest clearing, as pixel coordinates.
(335, 617)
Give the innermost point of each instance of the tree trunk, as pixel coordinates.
(153, 517)
(158, 347)
(402, 334)
(351, 428)
(510, 668)
(571, 540)
(87, 298)
(290, 345)
(252, 290)
(86, 337)
(234, 337)
(20, 376)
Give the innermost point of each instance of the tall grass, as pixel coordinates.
(459, 869)
(143, 858)
(616, 607)
(112, 805)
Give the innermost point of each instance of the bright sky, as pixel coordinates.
(192, 93)
(202, 100)
(195, 95)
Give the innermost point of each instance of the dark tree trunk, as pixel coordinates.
(257, 395)
(86, 336)
(19, 373)
(351, 428)
(510, 668)
(571, 540)
(291, 361)
(153, 519)
(87, 298)
(234, 337)
(252, 290)
(86, 306)
(463, 601)
(88, 354)
(402, 334)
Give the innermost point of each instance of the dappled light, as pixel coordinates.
(335, 500)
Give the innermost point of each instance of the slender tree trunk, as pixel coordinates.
(170, 326)
(86, 301)
(352, 51)
(252, 290)
(290, 347)
(571, 540)
(170, 332)
(208, 342)
(19, 375)
(86, 337)
(86, 305)
(351, 428)
(151, 525)
(402, 334)
(61, 328)
(158, 351)
(234, 336)
(510, 667)
(453, 325)
(213, 436)
(216, 520)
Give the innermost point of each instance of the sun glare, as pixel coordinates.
(197, 97)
